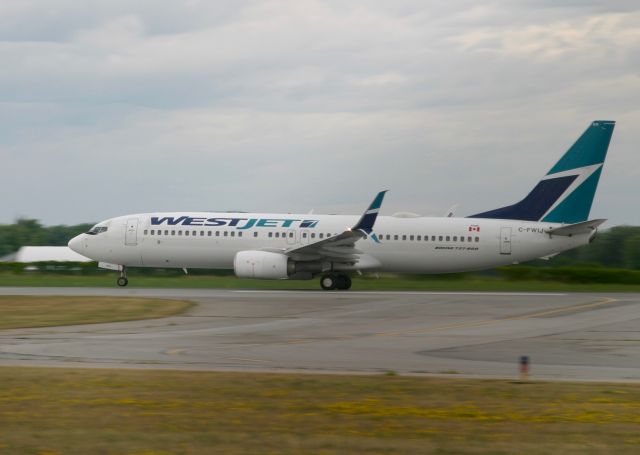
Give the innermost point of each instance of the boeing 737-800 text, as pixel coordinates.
(552, 218)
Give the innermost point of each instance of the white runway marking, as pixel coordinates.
(346, 294)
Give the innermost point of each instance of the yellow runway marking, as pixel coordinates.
(249, 360)
(459, 325)
(174, 351)
(298, 341)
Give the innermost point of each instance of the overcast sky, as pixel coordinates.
(114, 107)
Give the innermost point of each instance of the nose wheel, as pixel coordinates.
(332, 281)
(122, 280)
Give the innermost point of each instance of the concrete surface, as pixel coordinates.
(567, 336)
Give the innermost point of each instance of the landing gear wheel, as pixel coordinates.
(343, 282)
(328, 282)
(122, 281)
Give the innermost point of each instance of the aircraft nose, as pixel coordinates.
(77, 244)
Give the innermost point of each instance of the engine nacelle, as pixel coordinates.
(261, 264)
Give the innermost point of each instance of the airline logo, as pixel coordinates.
(238, 223)
(474, 228)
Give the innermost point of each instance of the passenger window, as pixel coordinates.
(455, 238)
(166, 232)
(448, 238)
(277, 235)
(477, 239)
(469, 239)
(239, 234)
(388, 237)
(433, 238)
(395, 237)
(217, 233)
(233, 233)
(404, 237)
(321, 235)
(173, 232)
(226, 233)
(209, 233)
(313, 235)
(426, 238)
(201, 233)
(179, 232)
(410, 237)
(462, 238)
(255, 234)
(440, 238)
(270, 234)
(145, 232)
(153, 232)
(304, 235)
(290, 235)
(418, 238)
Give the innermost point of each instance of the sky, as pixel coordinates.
(115, 107)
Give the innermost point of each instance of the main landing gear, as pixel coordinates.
(122, 280)
(332, 281)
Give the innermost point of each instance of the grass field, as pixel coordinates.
(27, 311)
(435, 283)
(72, 411)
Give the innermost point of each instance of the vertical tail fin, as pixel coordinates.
(566, 193)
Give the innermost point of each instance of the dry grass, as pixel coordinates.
(27, 311)
(71, 411)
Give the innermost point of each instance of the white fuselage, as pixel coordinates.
(420, 245)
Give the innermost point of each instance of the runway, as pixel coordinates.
(567, 336)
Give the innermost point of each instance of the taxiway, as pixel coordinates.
(567, 336)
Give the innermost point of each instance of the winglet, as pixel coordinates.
(368, 218)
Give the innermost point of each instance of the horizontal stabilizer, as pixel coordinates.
(584, 227)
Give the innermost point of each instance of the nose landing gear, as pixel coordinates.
(332, 281)
(122, 280)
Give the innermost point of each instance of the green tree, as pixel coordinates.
(30, 232)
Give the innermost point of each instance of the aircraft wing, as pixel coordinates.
(340, 247)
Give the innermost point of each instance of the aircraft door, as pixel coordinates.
(505, 240)
(131, 234)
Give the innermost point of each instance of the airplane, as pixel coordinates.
(552, 218)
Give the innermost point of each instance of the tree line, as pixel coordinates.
(617, 247)
(29, 232)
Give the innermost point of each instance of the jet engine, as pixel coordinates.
(266, 265)
(261, 264)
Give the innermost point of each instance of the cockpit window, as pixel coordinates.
(97, 230)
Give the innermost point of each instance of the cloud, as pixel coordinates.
(285, 105)
(592, 37)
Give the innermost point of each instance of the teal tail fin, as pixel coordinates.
(566, 193)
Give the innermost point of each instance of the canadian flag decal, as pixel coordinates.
(474, 228)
